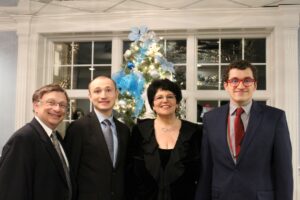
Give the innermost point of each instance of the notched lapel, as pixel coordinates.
(221, 123)
(150, 146)
(121, 143)
(175, 168)
(256, 115)
(96, 130)
(49, 147)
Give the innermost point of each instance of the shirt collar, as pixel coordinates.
(45, 127)
(102, 117)
(233, 107)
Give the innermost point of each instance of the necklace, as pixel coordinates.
(164, 129)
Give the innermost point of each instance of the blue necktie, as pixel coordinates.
(107, 132)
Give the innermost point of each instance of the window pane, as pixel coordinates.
(102, 71)
(102, 52)
(180, 76)
(255, 50)
(231, 50)
(80, 107)
(62, 127)
(81, 77)
(181, 112)
(224, 102)
(63, 53)
(82, 52)
(126, 45)
(176, 51)
(261, 76)
(208, 51)
(208, 78)
(223, 70)
(203, 107)
(62, 76)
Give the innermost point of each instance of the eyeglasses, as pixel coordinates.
(247, 82)
(53, 103)
(169, 97)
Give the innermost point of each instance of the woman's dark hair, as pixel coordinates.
(163, 84)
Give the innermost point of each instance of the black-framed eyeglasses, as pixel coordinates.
(247, 82)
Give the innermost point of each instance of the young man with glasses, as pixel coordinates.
(246, 149)
(33, 164)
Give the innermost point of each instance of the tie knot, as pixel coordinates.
(53, 135)
(239, 111)
(106, 122)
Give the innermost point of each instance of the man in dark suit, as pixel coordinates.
(31, 166)
(247, 157)
(98, 164)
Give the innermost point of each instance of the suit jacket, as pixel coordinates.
(147, 180)
(30, 168)
(263, 170)
(95, 176)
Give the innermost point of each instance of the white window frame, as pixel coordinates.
(191, 94)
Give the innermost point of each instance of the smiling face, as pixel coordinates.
(103, 94)
(49, 108)
(164, 103)
(240, 95)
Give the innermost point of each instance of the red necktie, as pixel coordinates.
(238, 130)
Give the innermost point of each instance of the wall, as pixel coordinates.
(8, 71)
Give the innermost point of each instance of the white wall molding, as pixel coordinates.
(291, 94)
(23, 33)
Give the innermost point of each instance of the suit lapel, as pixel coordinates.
(175, 168)
(254, 122)
(150, 146)
(97, 130)
(121, 142)
(222, 130)
(49, 147)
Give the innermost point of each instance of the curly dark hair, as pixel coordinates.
(163, 84)
(241, 65)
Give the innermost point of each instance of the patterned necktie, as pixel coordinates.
(107, 132)
(238, 131)
(56, 145)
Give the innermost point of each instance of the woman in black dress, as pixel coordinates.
(164, 153)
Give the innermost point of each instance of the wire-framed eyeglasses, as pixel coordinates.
(53, 103)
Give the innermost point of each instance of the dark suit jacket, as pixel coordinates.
(95, 176)
(30, 168)
(147, 180)
(264, 167)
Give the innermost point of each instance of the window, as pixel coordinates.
(77, 63)
(194, 54)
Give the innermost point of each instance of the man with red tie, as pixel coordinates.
(246, 149)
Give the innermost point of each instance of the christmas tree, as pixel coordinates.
(144, 62)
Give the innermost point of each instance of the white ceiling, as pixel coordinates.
(46, 7)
